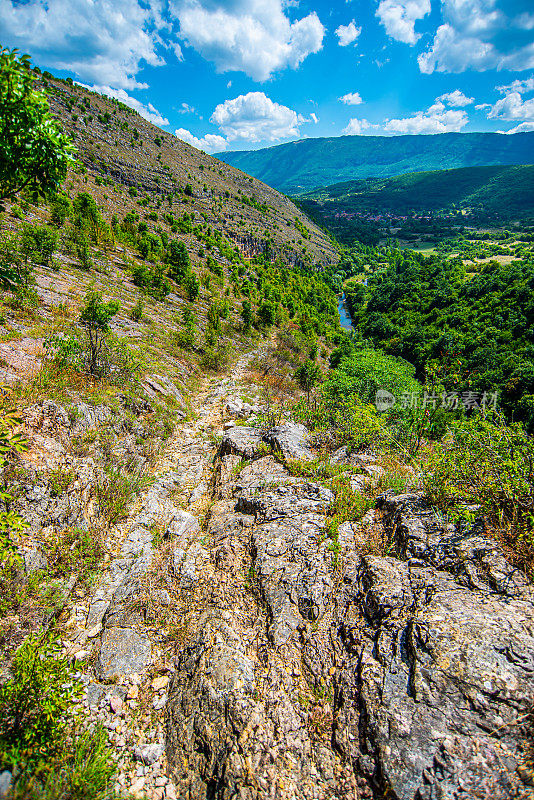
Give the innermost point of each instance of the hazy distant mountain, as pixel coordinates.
(300, 166)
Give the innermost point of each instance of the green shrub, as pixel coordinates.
(488, 463)
(86, 773)
(36, 705)
(136, 312)
(192, 286)
(60, 209)
(39, 242)
(214, 358)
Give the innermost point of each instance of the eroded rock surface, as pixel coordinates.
(314, 674)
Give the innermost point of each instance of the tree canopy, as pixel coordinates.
(34, 150)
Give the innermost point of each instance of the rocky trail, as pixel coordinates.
(233, 648)
(126, 684)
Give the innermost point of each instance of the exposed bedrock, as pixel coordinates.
(309, 672)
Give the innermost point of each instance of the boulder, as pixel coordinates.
(291, 441)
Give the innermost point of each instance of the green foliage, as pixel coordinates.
(36, 704)
(179, 261)
(152, 280)
(214, 358)
(302, 166)
(34, 151)
(246, 314)
(267, 313)
(15, 264)
(365, 371)
(116, 490)
(39, 242)
(192, 286)
(485, 462)
(476, 333)
(343, 420)
(136, 312)
(85, 772)
(11, 523)
(308, 376)
(94, 318)
(503, 189)
(60, 209)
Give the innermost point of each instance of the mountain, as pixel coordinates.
(298, 167)
(495, 189)
(131, 164)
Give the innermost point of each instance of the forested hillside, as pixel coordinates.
(298, 167)
(504, 191)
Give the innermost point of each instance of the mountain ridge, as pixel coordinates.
(306, 164)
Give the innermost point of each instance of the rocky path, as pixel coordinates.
(238, 648)
(122, 629)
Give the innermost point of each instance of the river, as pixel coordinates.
(344, 316)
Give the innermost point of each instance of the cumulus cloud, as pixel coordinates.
(523, 87)
(351, 99)
(356, 126)
(347, 34)
(457, 99)
(251, 36)
(399, 18)
(480, 35)
(314, 118)
(436, 119)
(147, 111)
(254, 117)
(210, 143)
(512, 107)
(100, 43)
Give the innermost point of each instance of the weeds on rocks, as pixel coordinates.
(41, 745)
(115, 492)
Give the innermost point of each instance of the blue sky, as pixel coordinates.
(242, 74)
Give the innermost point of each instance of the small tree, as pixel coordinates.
(94, 318)
(192, 286)
(178, 258)
(34, 150)
(308, 375)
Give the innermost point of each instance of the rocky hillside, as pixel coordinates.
(131, 165)
(232, 648)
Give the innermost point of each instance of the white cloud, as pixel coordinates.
(314, 118)
(523, 87)
(356, 126)
(210, 143)
(399, 18)
(512, 107)
(469, 35)
(435, 119)
(251, 36)
(254, 117)
(457, 99)
(185, 108)
(347, 34)
(148, 111)
(452, 53)
(351, 99)
(523, 127)
(99, 42)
